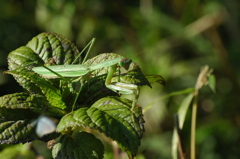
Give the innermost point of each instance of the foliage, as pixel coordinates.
(171, 38)
(106, 112)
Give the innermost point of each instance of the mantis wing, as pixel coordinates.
(72, 70)
(62, 70)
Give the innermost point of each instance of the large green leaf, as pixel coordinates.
(56, 46)
(26, 106)
(21, 131)
(40, 49)
(17, 106)
(113, 117)
(80, 145)
(19, 113)
(52, 94)
(24, 58)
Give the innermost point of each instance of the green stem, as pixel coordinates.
(193, 126)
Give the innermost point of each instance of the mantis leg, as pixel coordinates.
(122, 88)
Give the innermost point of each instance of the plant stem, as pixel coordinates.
(193, 126)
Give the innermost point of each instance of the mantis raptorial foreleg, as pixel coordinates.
(122, 88)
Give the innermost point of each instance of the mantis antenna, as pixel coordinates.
(90, 44)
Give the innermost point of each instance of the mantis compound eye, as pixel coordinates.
(125, 63)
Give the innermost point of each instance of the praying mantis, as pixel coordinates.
(82, 72)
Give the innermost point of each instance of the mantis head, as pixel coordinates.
(125, 63)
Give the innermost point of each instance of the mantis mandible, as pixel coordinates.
(84, 71)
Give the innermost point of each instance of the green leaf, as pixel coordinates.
(156, 78)
(56, 46)
(182, 111)
(28, 79)
(111, 116)
(24, 58)
(26, 106)
(41, 49)
(212, 82)
(133, 75)
(21, 131)
(17, 101)
(18, 113)
(17, 106)
(80, 145)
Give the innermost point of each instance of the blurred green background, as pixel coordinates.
(172, 38)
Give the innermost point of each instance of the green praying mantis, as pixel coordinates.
(82, 72)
